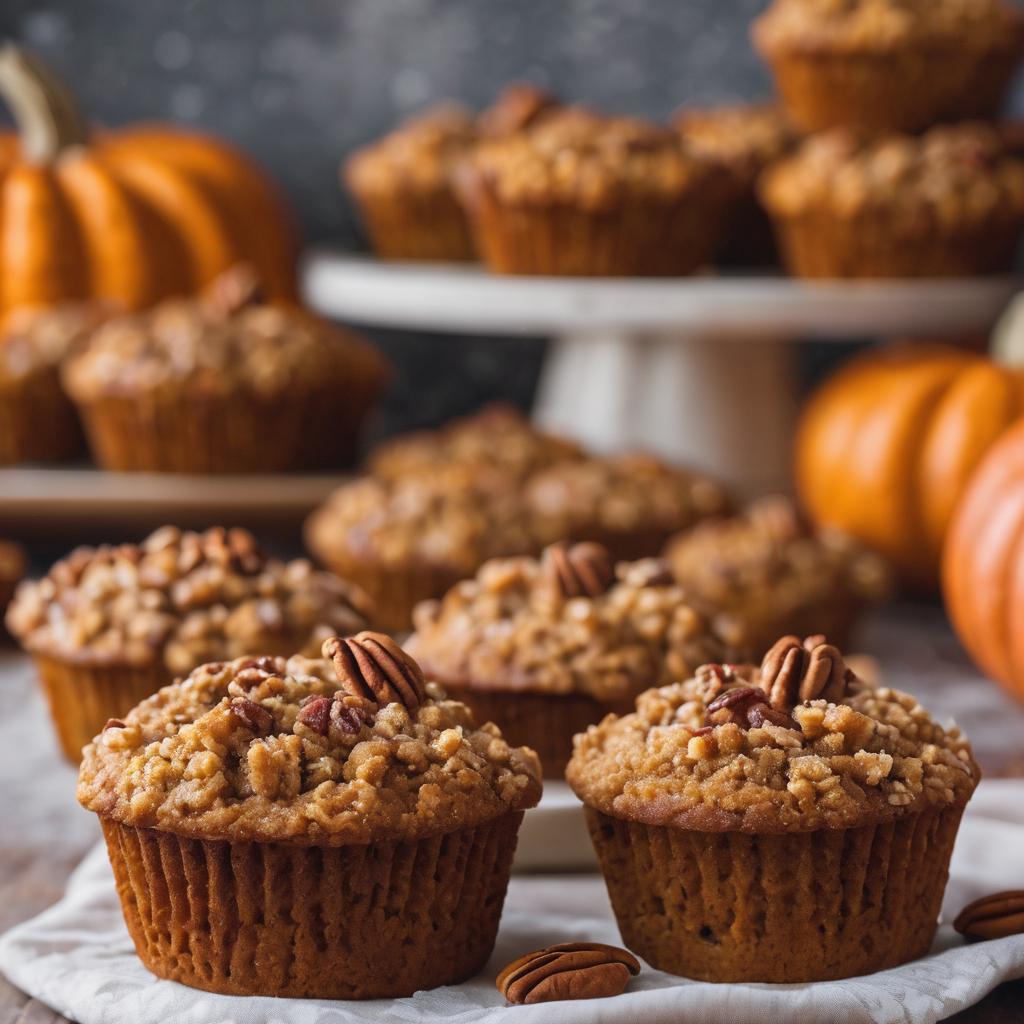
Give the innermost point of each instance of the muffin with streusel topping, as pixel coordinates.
(765, 572)
(783, 824)
(880, 66)
(223, 383)
(582, 195)
(544, 647)
(307, 829)
(109, 626)
(949, 203)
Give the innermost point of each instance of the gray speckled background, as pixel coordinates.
(301, 82)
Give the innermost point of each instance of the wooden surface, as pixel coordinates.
(44, 832)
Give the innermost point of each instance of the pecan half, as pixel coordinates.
(570, 970)
(252, 715)
(747, 707)
(992, 917)
(372, 666)
(794, 672)
(579, 570)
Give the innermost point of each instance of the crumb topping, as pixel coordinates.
(268, 750)
(516, 626)
(684, 758)
(181, 598)
(37, 342)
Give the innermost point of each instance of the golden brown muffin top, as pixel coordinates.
(419, 153)
(566, 623)
(38, 341)
(797, 745)
(225, 341)
(882, 25)
(181, 598)
(766, 564)
(303, 751)
(745, 138)
(497, 437)
(635, 491)
(947, 176)
(579, 157)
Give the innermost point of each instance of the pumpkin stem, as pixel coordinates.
(44, 110)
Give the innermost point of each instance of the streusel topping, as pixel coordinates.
(721, 752)
(182, 599)
(36, 341)
(271, 750)
(947, 176)
(520, 624)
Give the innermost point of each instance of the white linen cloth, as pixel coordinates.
(77, 957)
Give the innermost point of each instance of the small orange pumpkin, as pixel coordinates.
(885, 447)
(129, 217)
(983, 563)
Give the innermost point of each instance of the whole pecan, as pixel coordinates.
(373, 666)
(794, 672)
(579, 570)
(570, 970)
(992, 917)
(252, 715)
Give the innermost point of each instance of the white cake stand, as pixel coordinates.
(697, 369)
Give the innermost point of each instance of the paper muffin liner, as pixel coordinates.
(37, 421)
(415, 224)
(793, 908)
(82, 697)
(636, 239)
(820, 244)
(330, 922)
(175, 431)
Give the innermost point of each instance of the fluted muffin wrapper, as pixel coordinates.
(83, 696)
(345, 922)
(179, 431)
(37, 421)
(792, 908)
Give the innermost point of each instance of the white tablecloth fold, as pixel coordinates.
(77, 958)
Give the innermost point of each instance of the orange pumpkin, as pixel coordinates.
(129, 217)
(885, 447)
(983, 563)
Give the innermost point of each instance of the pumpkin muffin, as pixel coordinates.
(579, 194)
(881, 66)
(109, 626)
(949, 203)
(631, 503)
(13, 565)
(745, 139)
(785, 824)
(546, 647)
(37, 421)
(766, 572)
(307, 829)
(402, 186)
(223, 383)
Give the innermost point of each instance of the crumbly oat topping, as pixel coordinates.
(765, 566)
(881, 25)
(678, 761)
(591, 161)
(37, 342)
(949, 176)
(235, 752)
(513, 628)
(226, 341)
(181, 598)
(498, 437)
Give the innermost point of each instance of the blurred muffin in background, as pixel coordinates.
(13, 566)
(744, 139)
(948, 203)
(765, 573)
(223, 383)
(37, 421)
(879, 66)
(631, 503)
(545, 648)
(402, 186)
(583, 195)
(519, 105)
(108, 626)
